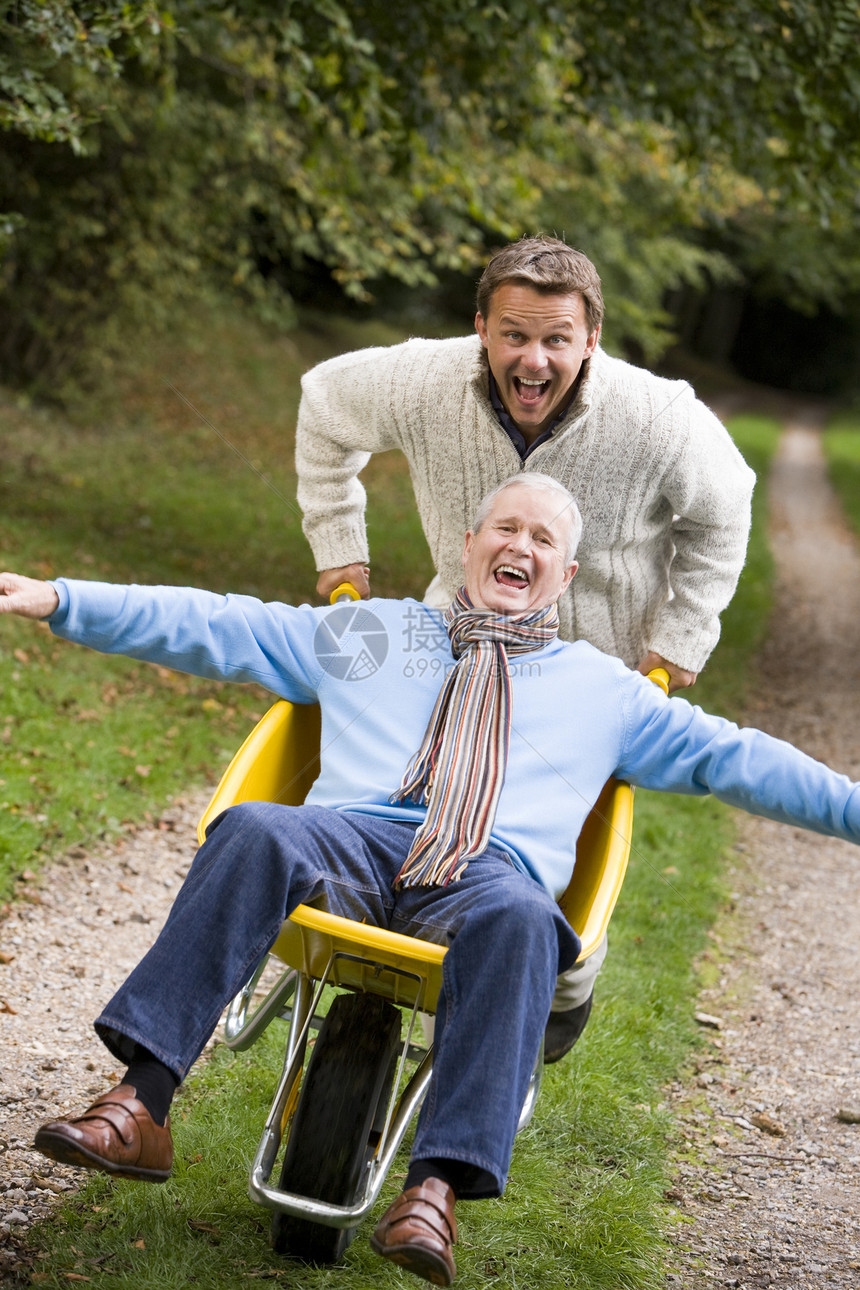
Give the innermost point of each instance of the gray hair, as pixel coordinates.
(534, 479)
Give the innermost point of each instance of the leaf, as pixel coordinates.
(762, 1120)
(198, 1225)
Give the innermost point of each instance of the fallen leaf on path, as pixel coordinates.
(762, 1120)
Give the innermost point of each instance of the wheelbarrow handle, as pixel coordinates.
(343, 591)
(660, 677)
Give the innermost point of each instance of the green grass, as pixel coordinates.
(585, 1204)
(731, 667)
(155, 492)
(842, 450)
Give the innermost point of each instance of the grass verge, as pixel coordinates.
(842, 450)
(585, 1205)
(185, 476)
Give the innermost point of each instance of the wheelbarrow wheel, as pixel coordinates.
(337, 1120)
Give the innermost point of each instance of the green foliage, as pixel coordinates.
(161, 155)
(760, 96)
(624, 195)
(770, 84)
(56, 59)
(276, 138)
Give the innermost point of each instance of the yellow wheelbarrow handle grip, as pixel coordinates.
(660, 677)
(343, 591)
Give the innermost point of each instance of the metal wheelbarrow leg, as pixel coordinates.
(344, 1120)
(338, 1120)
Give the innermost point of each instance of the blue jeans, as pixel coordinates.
(507, 941)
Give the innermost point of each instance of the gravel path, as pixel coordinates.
(66, 945)
(767, 1188)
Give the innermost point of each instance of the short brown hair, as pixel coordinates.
(548, 265)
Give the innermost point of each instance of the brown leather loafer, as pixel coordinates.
(116, 1135)
(418, 1230)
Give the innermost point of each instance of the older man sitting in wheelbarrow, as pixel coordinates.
(447, 804)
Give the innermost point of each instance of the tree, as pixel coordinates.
(158, 154)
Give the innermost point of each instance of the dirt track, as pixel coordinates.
(769, 1188)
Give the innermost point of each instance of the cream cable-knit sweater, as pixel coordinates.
(664, 492)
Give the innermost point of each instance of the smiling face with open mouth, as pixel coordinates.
(515, 562)
(536, 344)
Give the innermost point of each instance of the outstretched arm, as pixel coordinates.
(231, 638)
(677, 748)
(27, 596)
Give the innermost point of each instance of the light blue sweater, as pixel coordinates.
(578, 716)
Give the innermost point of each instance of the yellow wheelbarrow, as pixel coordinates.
(342, 1116)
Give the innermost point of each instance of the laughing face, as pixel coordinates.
(516, 562)
(536, 345)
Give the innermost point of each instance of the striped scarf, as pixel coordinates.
(459, 769)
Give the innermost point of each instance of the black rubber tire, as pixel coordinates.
(337, 1120)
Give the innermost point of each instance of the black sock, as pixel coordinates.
(153, 1082)
(420, 1170)
(469, 1182)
